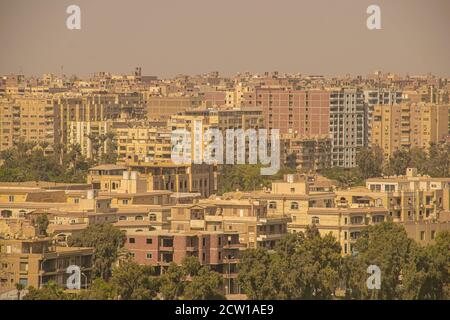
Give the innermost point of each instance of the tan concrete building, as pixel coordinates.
(311, 154)
(34, 262)
(217, 249)
(247, 217)
(408, 125)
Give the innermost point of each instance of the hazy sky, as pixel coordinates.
(169, 37)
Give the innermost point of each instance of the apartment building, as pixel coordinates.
(293, 200)
(142, 142)
(311, 154)
(35, 262)
(9, 123)
(302, 112)
(408, 125)
(219, 250)
(197, 122)
(91, 136)
(375, 97)
(413, 197)
(194, 178)
(163, 107)
(347, 126)
(247, 217)
(28, 119)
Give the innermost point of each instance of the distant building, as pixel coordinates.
(311, 154)
(408, 125)
(35, 262)
(219, 250)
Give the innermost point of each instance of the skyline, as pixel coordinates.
(167, 38)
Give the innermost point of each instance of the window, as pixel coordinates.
(315, 220)
(122, 218)
(294, 205)
(131, 240)
(433, 234)
(139, 218)
(204, 241)
(152, 217)
(6, 213)
(23, 266)
(125, 201)
(272, 205)
(11, 198)
(422, 235)
(148, 256)
(149, 241)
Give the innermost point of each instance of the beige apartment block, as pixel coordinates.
(247, 217)
(143, 142)
(311, 154)
(163, 107)
(408, 125)
(413, 197)
(35, 262)
(91, 136)
(28, 119)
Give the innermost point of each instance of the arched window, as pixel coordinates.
(294, 205)
(122, 218)
(272, 205)
(152, 217)
(139, 218)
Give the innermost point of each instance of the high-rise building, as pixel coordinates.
(347, 126)
(376, 97)
(301, 112)
(408, 125)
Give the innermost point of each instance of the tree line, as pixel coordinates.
(310, 266)
(304, 265)
(29, 161)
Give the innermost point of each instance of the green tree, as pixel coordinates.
(42, 224)
(50, 291)
(172, 282)
(205, 285)
(245, 177)
(398, 163)
(419, 160)
(387, 246)
(19, 287)
(303, 266)
(134, 282)
(427, 272)
(253, 274)
(106, 241)
(345, 177)
(99, 290)
(439, 160)
(291, 161)
(370, 162)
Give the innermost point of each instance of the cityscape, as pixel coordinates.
(216, 186)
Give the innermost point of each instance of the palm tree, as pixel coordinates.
(19, 287)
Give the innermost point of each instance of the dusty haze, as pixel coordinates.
(168, 37)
